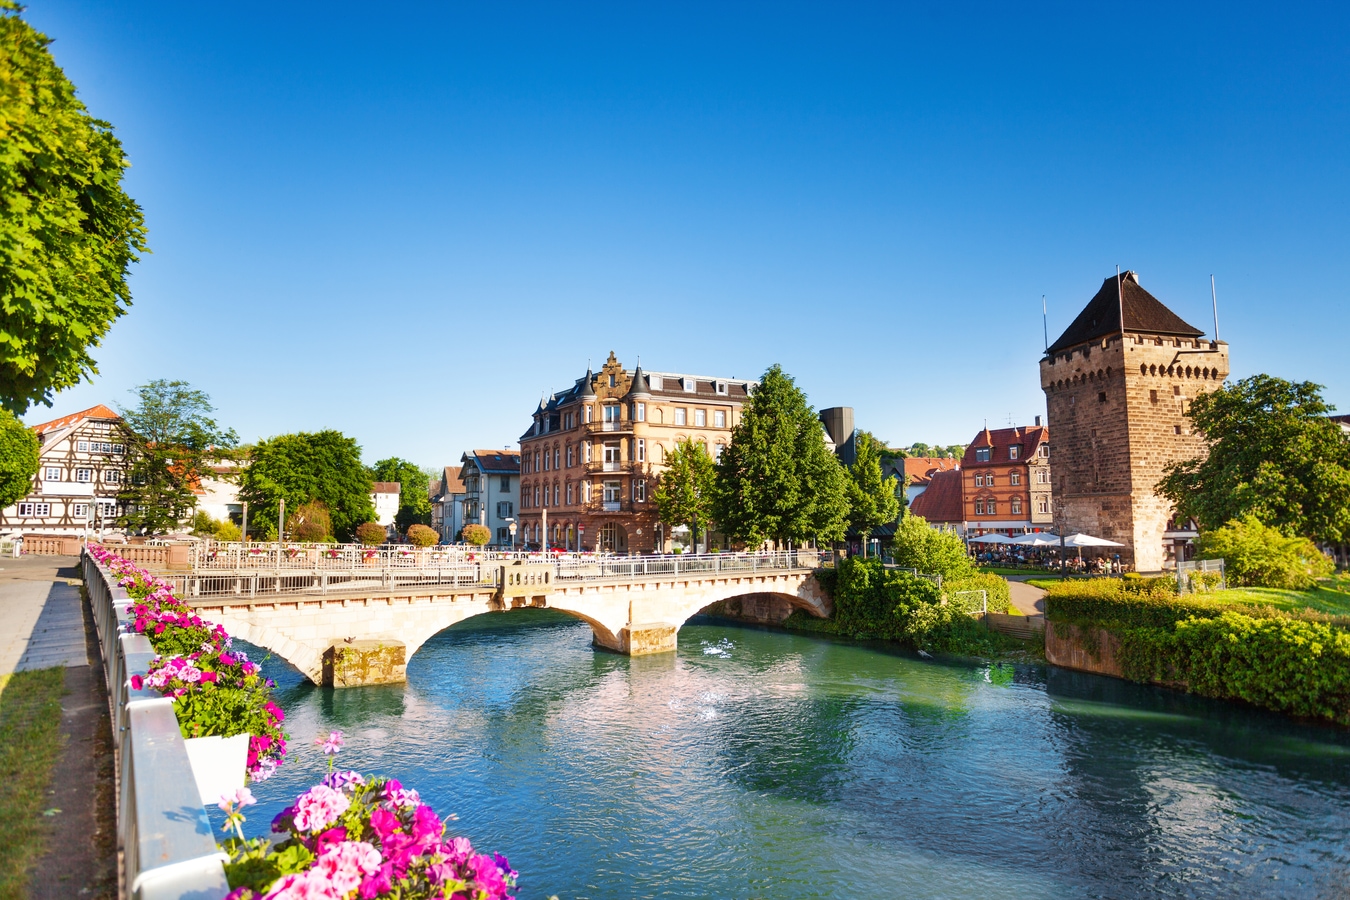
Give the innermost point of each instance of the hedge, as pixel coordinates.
(1289, 663)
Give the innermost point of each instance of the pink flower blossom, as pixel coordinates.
(331, 744)
(239, 797)
(311, 885)
(346, 864)
(318, 808)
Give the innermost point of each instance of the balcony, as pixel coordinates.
(609, 427)
(609, 506)
(622, 467)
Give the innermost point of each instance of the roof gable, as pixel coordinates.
(941, 502)
(1144, 313)
(93, 412)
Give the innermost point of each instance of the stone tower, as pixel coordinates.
(1117, 384)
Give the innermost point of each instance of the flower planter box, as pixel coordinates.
(218, 764)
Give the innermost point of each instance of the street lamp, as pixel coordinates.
(511, 526)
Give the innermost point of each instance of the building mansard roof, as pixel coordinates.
(1143, 314)
(1028, 439)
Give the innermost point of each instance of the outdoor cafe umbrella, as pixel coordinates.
(1081, 540)
(991, 539)
(1036, 539)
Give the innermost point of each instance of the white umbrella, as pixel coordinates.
(1036, 539)
(991, 539)
(1087, 540)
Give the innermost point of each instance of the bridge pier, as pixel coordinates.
(355, 663)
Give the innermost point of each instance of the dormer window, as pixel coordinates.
(982, 454)
(689, 385)
(720, 387)
(1014, 451)
(654, 381)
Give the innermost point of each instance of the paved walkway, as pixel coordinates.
(43, 623)
(41, 615)
(1028, 600)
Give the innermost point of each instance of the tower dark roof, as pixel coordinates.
(1144, 313)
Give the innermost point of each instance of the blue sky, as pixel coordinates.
(406, 222)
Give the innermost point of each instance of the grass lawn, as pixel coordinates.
(30, 741)
(1331, 596)
(1008, 570)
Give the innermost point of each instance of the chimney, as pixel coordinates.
(1038, 421)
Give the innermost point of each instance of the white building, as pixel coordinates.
(384, 495)
(83, 466)
(447, 505)
(491, 488)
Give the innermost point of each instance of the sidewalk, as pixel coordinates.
(44, 624)
(41, 617)
(1028, 600)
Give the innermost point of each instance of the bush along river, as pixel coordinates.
(764, 764)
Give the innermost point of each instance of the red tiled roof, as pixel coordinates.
(454, 479)
(921, 469)
(93, 412)
(386, 487)
(941, 502)
(999, 438)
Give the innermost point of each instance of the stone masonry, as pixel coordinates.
(1117, 405)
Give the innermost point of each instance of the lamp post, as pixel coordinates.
(1059, 526)
(511, 526)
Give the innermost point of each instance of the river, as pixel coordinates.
(758, 764)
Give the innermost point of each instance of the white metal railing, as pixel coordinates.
(612, 465)
(1187, 583)
(163, 834)
(482, 572)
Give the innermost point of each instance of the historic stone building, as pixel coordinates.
(1117, 384)
(591, 458)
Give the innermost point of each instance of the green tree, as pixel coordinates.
(372, 534)
(475, 534)
(19, 456)
(68, 232)
(916, 545)
(310, 523)
(685, 494)
(170, 438)
(777, 480)
(1272, 454)
(872, 498)
(1256, 554)
(298, 468)
(422, 535)
(414, 501)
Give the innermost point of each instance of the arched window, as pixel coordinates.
(1143, 369)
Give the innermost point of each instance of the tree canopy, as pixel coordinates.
(685, 493)
(1273, 454)
(414, 500)
(916, 545)
(323, 465)
(872, 498)
(68, 232)
(19, 457)
(170, 438)
(777, 479)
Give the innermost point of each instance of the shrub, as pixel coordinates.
(1000, 598)
(1257, 555)
(422, 535)
(203, 524)
(310, 522)
(228, 531)
(871, 601)
(917, 546)
(1108, 603)
(478, 535)
(371, 534)
(1284, 664)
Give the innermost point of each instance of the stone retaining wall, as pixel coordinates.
(1094, 650)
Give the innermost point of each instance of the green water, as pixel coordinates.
(756, 764)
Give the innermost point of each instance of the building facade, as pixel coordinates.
(592, 456)
(385, 496)
(82, 469)
(1117, 384)
(1005, 482)
(491, 481)
(447, 505)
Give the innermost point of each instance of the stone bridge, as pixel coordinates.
(366, 636)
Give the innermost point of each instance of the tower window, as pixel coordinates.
(1176, 429)
(1101, 396)
(1176, 390)
(1153, 396)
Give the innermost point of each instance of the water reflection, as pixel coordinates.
(760, 764)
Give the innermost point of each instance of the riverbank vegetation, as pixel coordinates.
(30, 744)
(1294, 660)
(874, 602)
